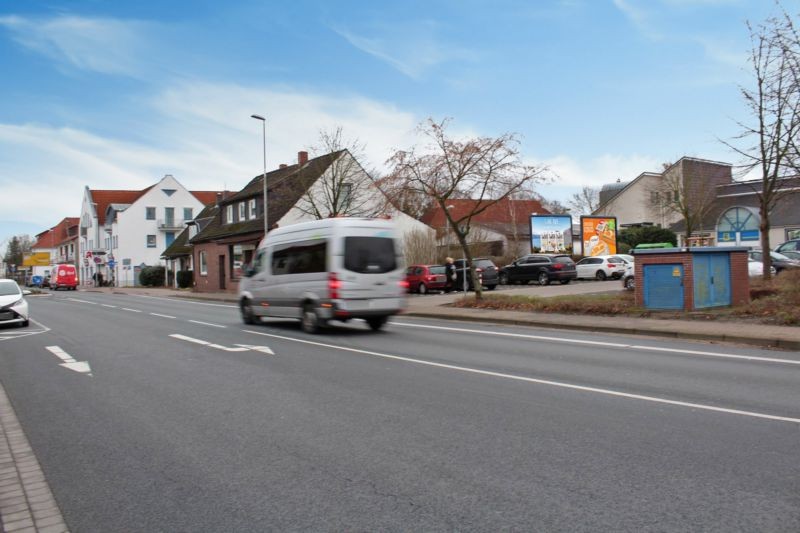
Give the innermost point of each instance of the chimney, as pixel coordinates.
(283, 165)
(302, 158)
(219, 197)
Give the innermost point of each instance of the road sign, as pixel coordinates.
(112, 264)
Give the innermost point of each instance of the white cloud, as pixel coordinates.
(413, 49)
(110, 46)
(608, 168)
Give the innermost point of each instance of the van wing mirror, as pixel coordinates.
(250, 271)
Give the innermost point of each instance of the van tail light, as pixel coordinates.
(558, 266)
(403, 284)
(334, 285)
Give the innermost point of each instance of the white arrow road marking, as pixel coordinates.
(262, 349)
(69, 362)
(206, 343)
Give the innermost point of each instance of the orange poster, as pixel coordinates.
(599, 235)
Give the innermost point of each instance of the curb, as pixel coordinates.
(782, 344)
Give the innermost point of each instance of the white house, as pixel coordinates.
(122, 231)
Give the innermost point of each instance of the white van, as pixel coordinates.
(330, 269)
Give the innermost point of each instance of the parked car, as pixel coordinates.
(625, 257)
(756, 268)
(487, 273)
(628, 279)
(541, 268)
(779, 261)
(424, 278)
(788, 246)
(64, 276)
(13, 307)
(601, 267)
(791, 254)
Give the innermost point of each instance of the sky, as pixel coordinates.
(114, 95)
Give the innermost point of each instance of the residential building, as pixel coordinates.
(178, 255)
(502, 229)
(731, 219)
(123, 231)
(227, 243)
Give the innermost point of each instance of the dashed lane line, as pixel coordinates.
(163, 316)
(209, 344)
(207, 324)
(131, 310)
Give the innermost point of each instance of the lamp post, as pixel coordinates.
(264, 138)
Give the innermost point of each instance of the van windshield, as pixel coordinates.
(369, 255)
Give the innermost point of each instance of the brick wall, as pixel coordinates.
(740, 280)
(211, 281)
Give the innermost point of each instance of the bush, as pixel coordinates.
(152, 276)
(647, 235)
(185, 278)
(623, 248)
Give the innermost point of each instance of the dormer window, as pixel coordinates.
(242, 211)
(252, 209)
(229, 214)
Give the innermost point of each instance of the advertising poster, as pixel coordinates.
(599, 235)
(551, 234)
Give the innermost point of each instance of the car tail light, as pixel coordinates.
(334, 285)
(403, 284)
(431, 278)
(479, 270)
(558, 266)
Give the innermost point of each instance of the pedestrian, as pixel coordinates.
(450, 274)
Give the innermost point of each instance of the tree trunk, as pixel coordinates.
(462, 239)
(766, 259)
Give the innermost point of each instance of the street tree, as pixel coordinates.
(345, 188)
(768, 142)
(442, 168)
(585, 202)
(17, 247)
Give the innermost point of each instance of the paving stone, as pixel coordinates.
(51, 521)
(15, 526)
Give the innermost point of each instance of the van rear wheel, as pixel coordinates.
(310, 321)
(376, 322)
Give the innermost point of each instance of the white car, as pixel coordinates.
(13, 307)
(601, 267)
(756, 268)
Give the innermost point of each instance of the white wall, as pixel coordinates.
(131, 227)
(632, 205)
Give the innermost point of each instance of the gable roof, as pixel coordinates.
(52, 237)
(500, 215)
(104, 197)
(285, 188)
(180, 246)
(206, 197)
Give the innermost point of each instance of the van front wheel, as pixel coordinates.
(247, 312)
(376, 322)
(310, 321)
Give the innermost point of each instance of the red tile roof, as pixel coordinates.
(104, 197)
(50, 238)
(499, 213)
(206, 197)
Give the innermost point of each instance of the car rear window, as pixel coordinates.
(437, 270)
(563, 259)
(484, 263)
(369, 255)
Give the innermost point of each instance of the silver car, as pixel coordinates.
(13, 307)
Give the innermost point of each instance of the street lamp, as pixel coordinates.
(264, 137)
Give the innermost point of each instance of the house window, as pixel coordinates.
(229, 214)
(252, 208)
(344, 197)
(203, 264)
(151, 241)
(241, 255)
(150, 213)
(170, 237)
(242, 211)
(187, 213)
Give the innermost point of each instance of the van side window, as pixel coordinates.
(299, 258)
(369, 255)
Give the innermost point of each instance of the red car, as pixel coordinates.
(424, 278)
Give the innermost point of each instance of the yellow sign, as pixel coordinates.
(36, 259)
(676, 272)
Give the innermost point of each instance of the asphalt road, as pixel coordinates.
(426, 426)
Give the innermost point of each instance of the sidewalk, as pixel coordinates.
(436, 306)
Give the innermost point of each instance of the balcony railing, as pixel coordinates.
(167, 224)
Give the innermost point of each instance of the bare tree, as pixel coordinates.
(483, 169)
(419, 248)
(585, 202)
(345, 188)
(773, 103)
(686, 195)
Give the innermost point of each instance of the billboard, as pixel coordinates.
(599, 235)
(36, 259)
(551, 233)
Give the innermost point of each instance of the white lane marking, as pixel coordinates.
(185, 301)
(82, 301)
(18, 334)
(207, 324)
(164, 316)
(571, 386)
(599, 343)
(108, 305)
(262, 349)
(69, 362)
(206, 343)
(131, 310)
